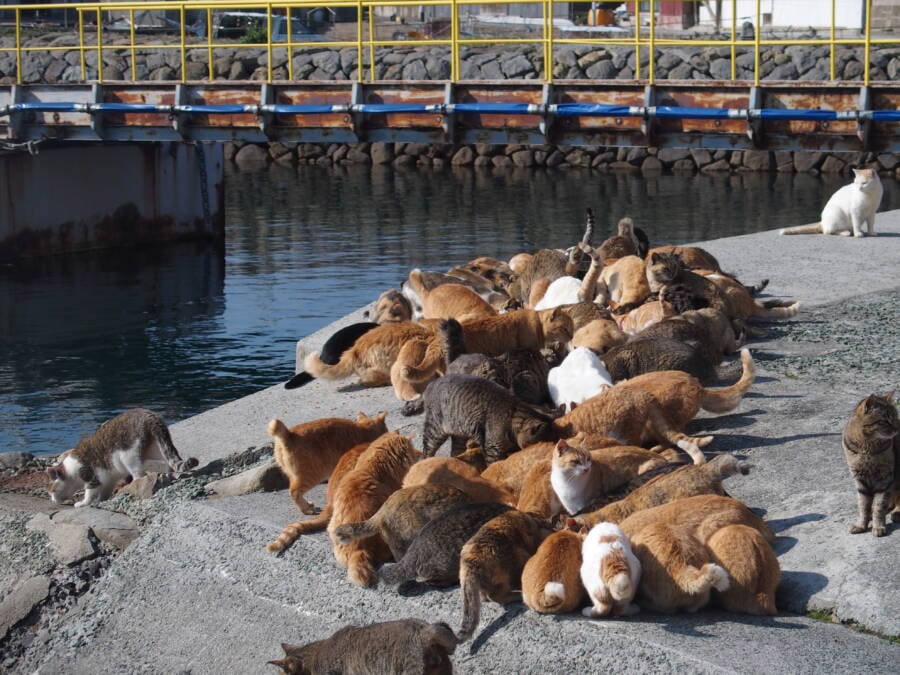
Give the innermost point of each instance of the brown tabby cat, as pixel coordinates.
(693, 256)
(686, 481)
(466, 407)
(462, 476)
(392, 307)
(647, 355)
(496, 335)
(739, 301)
(405, 512)
(449, 301)
(497, 272)
(622, 244)
(752, 567)
(584, 312)
(631, 416)
(378, 473)
(551, 579)
(709, 328)
(308, 452)
(871, 442)
(404, 646)
(667, 269)
(492, 561)
(319, 522)
(548, 263)
(371, 356)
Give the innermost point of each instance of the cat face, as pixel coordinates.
(664, 267)
(533, 431)
(879, 416)
(558, 326)
(392, 307)
(865, 179)
(573, 462)
(62, 485)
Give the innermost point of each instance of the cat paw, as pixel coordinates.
(879, 530)
(858, 235)
(857, 529)
(78, 505)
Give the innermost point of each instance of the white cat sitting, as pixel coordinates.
(849, 208)
(609, 571)
(581, 375)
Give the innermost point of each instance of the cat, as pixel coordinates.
(333, 349)
(378, 473)
(621, 285)
(450, 301)
(584, 312)
(709, 329)
(126, 445)
(693, 257)
(491, 562)
(405, 512)
(528, 370)
(466, 407)
(561, 291)
(391, 307)
(404, 646)
(551, 581)
(610, 572)
(647, 355)
(752, 567)
(433, 556)
(740, 303)
(496, 335)
(427, 281)
(849, 208)
(537, 495)
(308, 452)
(871, 442)
(496, 271)
(600, 335)
(319, 521)
(640, 318)
(581, 375)
(546, 263)
(631, 416)
(459, 474)
(685, 481)
(371, 356)
(629, 240)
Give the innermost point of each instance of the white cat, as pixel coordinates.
(562, 291)
(849, 208)
(581, 375)
(609, 571)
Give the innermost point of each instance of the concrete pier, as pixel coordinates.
(79, 197)
(197, 592)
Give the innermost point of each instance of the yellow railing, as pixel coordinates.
(91, 26)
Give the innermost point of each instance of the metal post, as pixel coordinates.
(831, 50)
(756, 57)
(867, 5)
(18, 45)
(209, 47)
(133, 56)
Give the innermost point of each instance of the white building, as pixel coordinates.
(782, 13)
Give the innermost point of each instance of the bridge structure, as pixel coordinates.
(748, 113)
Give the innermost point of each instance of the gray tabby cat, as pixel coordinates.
(466, 407)
(872, 449)
(124, 446)
(407, 647)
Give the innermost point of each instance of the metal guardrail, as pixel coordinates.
(92, 38)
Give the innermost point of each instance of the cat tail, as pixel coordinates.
(776, 312)
(727, 398)
(420, 363)
(293, 531)
(471, 589)
(353, 531)
(694, 581)
(361, 567)
(690, 444)
(756, 290)
(816, 228)
(414, 407)
(394, 574)
(549, 599)
(345, 367)
(416, 285)
(164, 440)
(726, 465)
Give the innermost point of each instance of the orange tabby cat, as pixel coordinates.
(632, 416)
(693, 257)
(379, 472)
(496, 335)
(537, 495)
(308, 452)
(459, 474)
(319, 522)
(599, 335)
(551, 579)
(449, 301)
(392, 307)
(752, 567)
(739, 304)
(621, 285)
(371, 356)
(646, 315)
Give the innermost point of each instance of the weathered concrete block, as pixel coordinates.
(19, 602)
(265, 478)
(70, 542)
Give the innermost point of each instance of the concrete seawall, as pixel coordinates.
(198, 592)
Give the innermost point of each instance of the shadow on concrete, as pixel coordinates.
(691, 625)
(782, 524)
(742, 442)
(414, 589)
(734, 421)
(513, 611)
(796, 588)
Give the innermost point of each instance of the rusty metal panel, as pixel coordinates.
(497, 92)
(423, 93)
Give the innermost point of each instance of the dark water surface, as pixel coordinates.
(182, 328)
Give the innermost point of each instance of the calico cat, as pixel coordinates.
(751, 566)
(471, 408)
(610, 572)
(433, 556)
(871, 442)
(308, 452)
(496, 335)
(371, 356)
(849, 208)
(599, 336)
(378, 473)
(491, 562)
(449, 301)
(551, 582)
(404, 646)
(685, 481)
(391, 307)
(126, 445)
(405, 512)
(633, 417)
(333, 349)
(641, 356)
(459, 474)
(320, 521)
(581, 375)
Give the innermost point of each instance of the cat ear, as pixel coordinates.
(870, 402)
(654, 258)
(889, 396)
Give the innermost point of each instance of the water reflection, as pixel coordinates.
(182, 328)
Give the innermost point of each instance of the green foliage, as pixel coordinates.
(256, 34)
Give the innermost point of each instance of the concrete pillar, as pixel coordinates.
(77, 197)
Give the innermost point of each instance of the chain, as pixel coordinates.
(31, 147)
